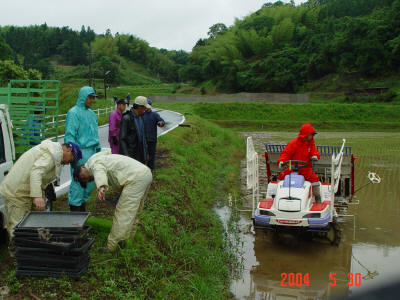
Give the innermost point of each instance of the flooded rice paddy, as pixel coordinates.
(370, 253)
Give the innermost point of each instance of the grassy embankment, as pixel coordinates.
(179, 251)
(277, 116)
(339, 88)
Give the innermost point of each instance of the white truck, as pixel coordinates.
(7, 156)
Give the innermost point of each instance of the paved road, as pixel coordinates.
(172, 120)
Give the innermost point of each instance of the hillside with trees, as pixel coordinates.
(281, 47)
(44, 48)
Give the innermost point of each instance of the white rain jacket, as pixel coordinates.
(32, 172)
(114, 169)
(133, 178)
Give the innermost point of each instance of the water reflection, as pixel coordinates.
(267, 259)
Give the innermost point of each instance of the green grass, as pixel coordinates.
(130, 73)
(179, 251)
(334, 87)
(136, 74)
(278, 116)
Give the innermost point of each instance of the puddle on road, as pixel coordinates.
(374, 253)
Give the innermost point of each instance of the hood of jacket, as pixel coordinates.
(305, 130)
(83, 93)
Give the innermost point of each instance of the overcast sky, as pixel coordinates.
(170, 24)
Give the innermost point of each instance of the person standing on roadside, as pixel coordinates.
(132, 138)
(81, 128)
(114, 122)
(128, 98)
(151, 121)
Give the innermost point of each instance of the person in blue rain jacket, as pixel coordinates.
(81, 128)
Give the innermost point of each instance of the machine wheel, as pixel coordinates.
(308, 236)
(334, 233)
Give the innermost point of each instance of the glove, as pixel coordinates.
(280, 164)
(114, 140)
(315, 158)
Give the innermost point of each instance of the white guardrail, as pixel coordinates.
(252, 172)
(62, 118)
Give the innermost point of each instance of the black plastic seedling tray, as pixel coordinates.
(54, 219)
(57, 246)
(72, 251)
(29, 261)
(51, 230)
(78, 239)
(76, 269)
(52, 258)
(52, 244)
(56, 234)
(51, 273)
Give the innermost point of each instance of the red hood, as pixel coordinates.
(305, 130)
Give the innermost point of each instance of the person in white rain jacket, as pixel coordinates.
(123, 173)
(33, 171)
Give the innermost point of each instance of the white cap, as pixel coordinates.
(141, 100)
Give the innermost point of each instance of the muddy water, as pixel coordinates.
(372, 249)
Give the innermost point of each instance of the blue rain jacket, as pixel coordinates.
(81, 128)
(150, 120)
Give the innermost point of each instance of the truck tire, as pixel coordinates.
(50, 196)
(3, 231)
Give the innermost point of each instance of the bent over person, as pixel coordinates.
(123, 173)
(302, 148)
(81, 128)
(33, 171)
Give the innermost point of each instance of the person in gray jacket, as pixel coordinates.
(132, 138)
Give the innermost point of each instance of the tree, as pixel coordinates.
(9, 70)
(5, 50)
(216, 29)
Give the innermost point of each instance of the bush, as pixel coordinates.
(175, 87)
(9, 70)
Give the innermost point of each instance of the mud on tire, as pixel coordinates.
(334, 233)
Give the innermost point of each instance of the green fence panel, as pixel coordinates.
(33, 108)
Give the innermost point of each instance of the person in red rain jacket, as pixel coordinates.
(302, 148)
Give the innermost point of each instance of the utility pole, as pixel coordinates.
(90, 56)
(105, 89)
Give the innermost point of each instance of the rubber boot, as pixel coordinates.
(316, 193)
(12, 249)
